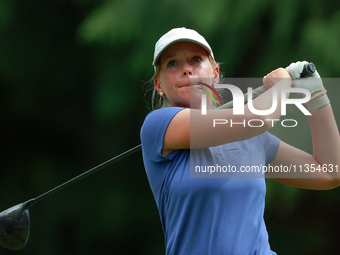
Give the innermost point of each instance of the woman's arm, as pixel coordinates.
(326, 156)
(190, 129)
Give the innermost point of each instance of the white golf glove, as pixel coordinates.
(313, 83)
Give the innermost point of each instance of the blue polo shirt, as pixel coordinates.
(204, 215)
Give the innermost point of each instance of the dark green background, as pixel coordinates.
(72, 95)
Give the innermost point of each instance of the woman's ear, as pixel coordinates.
(216, 73)
(158, 85)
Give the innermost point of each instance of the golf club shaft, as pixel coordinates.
(83, 175)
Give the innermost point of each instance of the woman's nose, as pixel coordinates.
(187, 70)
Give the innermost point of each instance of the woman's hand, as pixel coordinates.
(275, 76)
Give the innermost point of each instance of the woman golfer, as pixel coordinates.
(216, 216)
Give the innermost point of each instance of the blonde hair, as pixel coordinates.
(157, 101)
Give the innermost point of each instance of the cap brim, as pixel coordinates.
(157, 58)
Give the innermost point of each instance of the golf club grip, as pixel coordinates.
(308, 69)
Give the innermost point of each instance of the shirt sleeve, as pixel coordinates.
(153, 131)
(270, 144)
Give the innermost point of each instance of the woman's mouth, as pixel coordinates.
(184, 85)
(190, 85)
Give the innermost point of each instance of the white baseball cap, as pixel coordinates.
(179, 35)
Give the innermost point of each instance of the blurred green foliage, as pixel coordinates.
(72, 94)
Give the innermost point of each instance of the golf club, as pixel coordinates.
(15, 221)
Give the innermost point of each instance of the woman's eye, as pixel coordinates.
(196, 59)
(171, 63)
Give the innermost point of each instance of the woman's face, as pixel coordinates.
(178, 64)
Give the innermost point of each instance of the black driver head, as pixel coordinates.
(14, 227)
